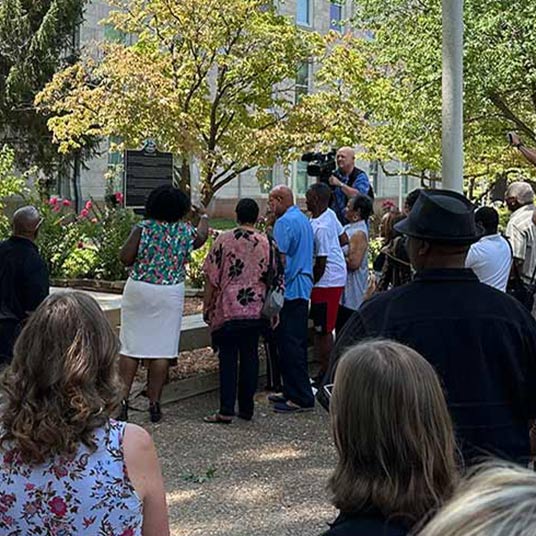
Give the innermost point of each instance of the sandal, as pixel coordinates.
(216, 418)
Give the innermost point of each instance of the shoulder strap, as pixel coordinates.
(515, 269)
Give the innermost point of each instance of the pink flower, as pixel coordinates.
(29, 487)
(119, 197)
(89, 205)
(128, 532)
(94, 220)
(58, 506)
(56, 208)
(84, 213)
(53, 201)
(59, 470)
(66, 203)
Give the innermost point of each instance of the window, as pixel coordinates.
(335, 15)
(302, 179)
(303, 12)
(265, 176)
(302, 81)
(374, 172)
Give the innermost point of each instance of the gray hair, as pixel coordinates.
(497, 500)
(522, 191)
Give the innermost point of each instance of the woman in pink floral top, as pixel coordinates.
(66, 467)
(236, 271)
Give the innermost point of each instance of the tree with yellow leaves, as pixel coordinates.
(206, 79)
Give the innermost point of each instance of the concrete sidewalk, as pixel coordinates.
(262, 478)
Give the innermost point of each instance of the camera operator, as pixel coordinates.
(347, 182)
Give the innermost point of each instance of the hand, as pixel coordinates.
(514, 139)
(334, 181)
(269, 219)
(274, 321)
(200, 210)
(372, 285)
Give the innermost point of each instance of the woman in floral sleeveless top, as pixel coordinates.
(157, 250)
(66, 468)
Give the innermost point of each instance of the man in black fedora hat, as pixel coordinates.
(481, 341)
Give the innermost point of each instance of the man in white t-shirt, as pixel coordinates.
(491, 257)
(329, 271)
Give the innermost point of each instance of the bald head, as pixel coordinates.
(280, 200)
(346, 159)
(26, 222)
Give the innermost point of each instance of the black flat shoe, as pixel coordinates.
(155, 412)
(123, 413)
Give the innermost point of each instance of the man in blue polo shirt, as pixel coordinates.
(294, 237)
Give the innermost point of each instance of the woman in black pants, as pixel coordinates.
(237, 270)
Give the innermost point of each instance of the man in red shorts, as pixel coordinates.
(329, 271)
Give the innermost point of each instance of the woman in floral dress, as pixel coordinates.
(157, 250)
(66, 468)
(236, 271)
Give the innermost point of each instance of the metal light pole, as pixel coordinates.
(452, 137)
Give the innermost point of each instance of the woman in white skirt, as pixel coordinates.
(157, 249)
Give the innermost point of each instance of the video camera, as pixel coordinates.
(322, 165)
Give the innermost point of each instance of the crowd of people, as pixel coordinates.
(426, 372)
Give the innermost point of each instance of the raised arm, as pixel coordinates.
(529, 154)
(202, 227)
(129, 251)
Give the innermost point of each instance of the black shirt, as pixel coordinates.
(365, 524)
(482, 343)
(23, 279)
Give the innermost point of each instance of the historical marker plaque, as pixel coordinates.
(144, 171)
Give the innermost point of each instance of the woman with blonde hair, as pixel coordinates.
(394, 439)
(66, 467)
(495, 500)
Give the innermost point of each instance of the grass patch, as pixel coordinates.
(222, 224)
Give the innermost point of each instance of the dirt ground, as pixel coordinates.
(261, 478)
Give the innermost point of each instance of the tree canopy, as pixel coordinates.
(206, 79)
(385, 81)
(36, 39)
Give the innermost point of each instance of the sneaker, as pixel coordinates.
(289, 407)
(276, 398)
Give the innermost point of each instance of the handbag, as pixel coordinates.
(275, 294)
(517, 288)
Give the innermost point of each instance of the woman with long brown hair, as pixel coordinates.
(66, 467)
(394, 440)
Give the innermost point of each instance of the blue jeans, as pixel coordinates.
(292, 344)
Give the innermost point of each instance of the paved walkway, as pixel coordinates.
(262, 478)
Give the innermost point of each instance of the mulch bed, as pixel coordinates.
(192, 306)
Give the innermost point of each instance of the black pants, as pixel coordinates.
(239, 364)
(343, 316)
(9, 331)
(273, 372)
(292, 344)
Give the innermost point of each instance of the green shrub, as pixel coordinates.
(194, 272)
(107, 229)
(81, 263)
(11, 185)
